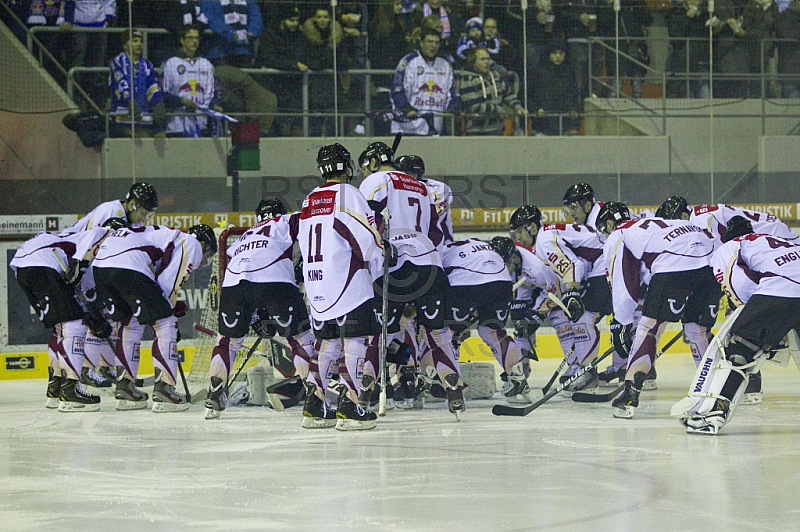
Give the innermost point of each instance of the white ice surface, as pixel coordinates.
(566, 466)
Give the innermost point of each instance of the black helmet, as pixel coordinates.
(579, 192)
(269, 208)
(205, 235)
(525, 215)
(377, 149)
(673, 208)
(332, 159)
(145, 196)
(116, 223)
(503, 246)
(413, 165)
(613, 210)
(737, 226)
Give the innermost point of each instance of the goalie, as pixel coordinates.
(759, 272)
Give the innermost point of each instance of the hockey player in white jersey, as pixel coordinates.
(672, 258)
(418, 278)
(761, 274)
(138, 207)
(532, 303)
(189, 85)
(50, 288)
(138, 272)
(341, 248)
(260, 275)
(441, 193)
(714, 218)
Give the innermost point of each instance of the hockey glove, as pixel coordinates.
(180, 309)
(74, 273)
(572, 300)
(398, 352)
(519, 310)
(390, 253)
(262, 326)
(98, 324)
(621, 338)
(528, 326)
(298, 272)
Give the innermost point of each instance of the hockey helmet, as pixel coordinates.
(205, 235)
(333, 159)
(503, 246)
(116, 223)
(524, 216)
(413, 165)
(269, 208)
(378, 150)
(578, 192)
(613, 210)
(737, 226)
(673, 207)
(145, 196)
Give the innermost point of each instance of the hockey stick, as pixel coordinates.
(183, 380)
(384, 315)
(580, 397)
(243, 364)
(558, 370)
(396, 143)
(552, 297)
(503, 410)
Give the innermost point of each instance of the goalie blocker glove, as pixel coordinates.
(98, 324)
(572, 300)
(621, 338)
(74, 273)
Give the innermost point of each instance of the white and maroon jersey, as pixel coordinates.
(573, 251)
(540, 280)
(192, 79)
(98, 216)
(413, 220)
(38, 251)
(165, 255)
(473, 262)
(442, 197)
(340, 246)
(758, 264)
(715, 218)
(264, 253)
(637, 249)
(591, 218)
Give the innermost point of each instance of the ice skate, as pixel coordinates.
(626, 401)
(74, 398)
(421, 391)
(90, 377)
(406, 390)
(516, 390)
(351, 415)
(317, 413)
(166, 398)
(650, 381)
(711, 422)
(609, 375)
(108, 372)
(53, 389)
(128, 396)
(216, 400)
(455, 395)
(752, 394)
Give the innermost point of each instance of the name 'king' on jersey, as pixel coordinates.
(340, 246)
(413, 220)
(473, 262)
(263, 254)
(637, 249)
(757, 264)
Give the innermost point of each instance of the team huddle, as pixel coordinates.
(384, 283)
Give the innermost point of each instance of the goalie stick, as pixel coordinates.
(503, 410)
(580, 397)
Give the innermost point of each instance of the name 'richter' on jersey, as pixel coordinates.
(263, 254)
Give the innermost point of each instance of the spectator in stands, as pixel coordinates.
(322, 38)
(89, 49)
(280, 49)
(189, 85)
(554, 92)
(135, 95)
(688, 19)
(788, 27)
(422, 89)
(431, 11)
(352, 17)
(387, 33)
(474, 38)
(505, 53)
(236, 24)
(486, 98)
(174, 16)
(634, 18)
(578, 18)
(35, 13)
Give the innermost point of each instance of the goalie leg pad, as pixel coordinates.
(480, 379)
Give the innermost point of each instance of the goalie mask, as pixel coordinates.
(673, 208)
(413, 165)
(612, 211)
(269, 208)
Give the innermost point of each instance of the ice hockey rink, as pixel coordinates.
(566, 466)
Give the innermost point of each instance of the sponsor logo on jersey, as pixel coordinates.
(20, 363)
(702, 209)
(402, 181)
(554, 227)
(181, 69)
(319, 204)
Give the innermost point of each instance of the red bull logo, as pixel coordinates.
(431, 87)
